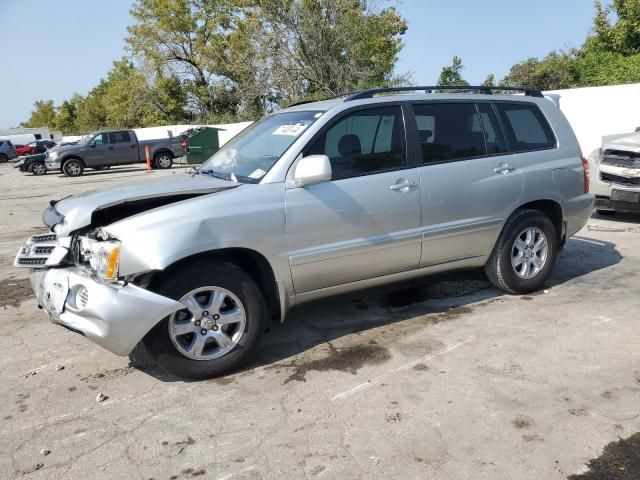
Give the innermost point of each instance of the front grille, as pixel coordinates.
(631, 182)
(45, 237)
(622, 159)
(37, 251)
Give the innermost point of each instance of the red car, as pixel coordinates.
(39, 146)
(23, 149)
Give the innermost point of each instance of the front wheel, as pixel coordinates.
(38, 169)
(221, 322)
(73, 167)
(3, 158)
(524, 254)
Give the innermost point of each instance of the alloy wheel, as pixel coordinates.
(210, 325)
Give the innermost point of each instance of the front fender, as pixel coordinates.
(251, 218)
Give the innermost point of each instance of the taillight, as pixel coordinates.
(183, 143)
(585, 169)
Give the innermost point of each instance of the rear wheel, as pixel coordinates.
(163, 160)
(73, 167)
(38, 169)
(3, 158)
(524, 254)
(217, 330)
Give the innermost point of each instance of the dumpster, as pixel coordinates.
(202, 145)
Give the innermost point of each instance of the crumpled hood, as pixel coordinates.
(629, 143)
(78, 209)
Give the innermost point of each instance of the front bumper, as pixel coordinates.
(114, 316)
(605, 203)
(52, 164)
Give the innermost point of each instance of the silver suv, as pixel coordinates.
(317, 199)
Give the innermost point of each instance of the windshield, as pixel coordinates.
(249, 156)
(88, 138)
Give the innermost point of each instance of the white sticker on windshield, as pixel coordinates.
(257, 173)
(292, 130)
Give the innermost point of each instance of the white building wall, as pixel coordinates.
(596, 112)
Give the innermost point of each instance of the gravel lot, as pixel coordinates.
(447, 380)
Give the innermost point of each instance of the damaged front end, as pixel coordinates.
(76, 281)
(619, 174)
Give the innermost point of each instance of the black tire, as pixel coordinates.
(499, 269)
(73, 167)
(38, 168)
(163, 160)
(191, 277)
(605, 213)
(3, 158)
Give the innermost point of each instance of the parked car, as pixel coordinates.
(616, 179)
(22, 150)
(318, 199)
(39, 146)
(32, 164)
(7, 151)
(105, 149)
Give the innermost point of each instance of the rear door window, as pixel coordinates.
(449, 131)
(526, 127)
(119, 137)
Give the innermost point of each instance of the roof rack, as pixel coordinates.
(531, 92)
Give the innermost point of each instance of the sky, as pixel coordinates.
(51, 49)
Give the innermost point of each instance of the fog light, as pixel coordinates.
(82, 298)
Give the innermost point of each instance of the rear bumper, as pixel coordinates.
(577, 211)
(115, 317)
(52, 164)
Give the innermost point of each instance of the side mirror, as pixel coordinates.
(92, 145)
(311, 170)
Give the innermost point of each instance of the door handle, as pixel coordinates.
(403, 186)
(504, 168)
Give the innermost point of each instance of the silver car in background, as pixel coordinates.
(317, 199)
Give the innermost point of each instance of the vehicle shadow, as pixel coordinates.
(619, 217)
(441, 297)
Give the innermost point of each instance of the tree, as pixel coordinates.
(490, 81)
(452, 74)
(189, 38)
(242, 57)
(555, 71)
(42, 115)
(65, 119)
(322, 48)
(621, 36)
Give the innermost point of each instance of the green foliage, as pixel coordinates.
(225, 60)
(490, 81)
(555, 71)
(452, 74)
(43, 114)
(609, 56)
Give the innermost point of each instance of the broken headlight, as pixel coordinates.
(101, 254)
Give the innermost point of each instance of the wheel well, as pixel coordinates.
(252, 262)
(160, 152)
(553, 211)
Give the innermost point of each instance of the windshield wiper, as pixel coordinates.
(213, 173)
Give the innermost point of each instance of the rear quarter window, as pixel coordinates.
(526, 127)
